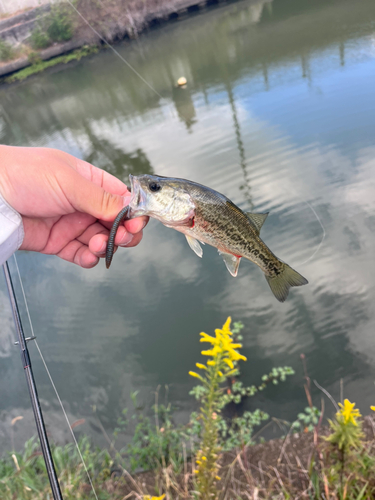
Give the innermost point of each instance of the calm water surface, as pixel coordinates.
(279, 115)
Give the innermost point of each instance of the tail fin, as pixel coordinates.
(280, 284)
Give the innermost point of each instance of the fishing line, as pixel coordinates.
(324, 233)
(114, 50)
(52, 383)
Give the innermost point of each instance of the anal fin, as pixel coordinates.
(194, 245)
(231, 261)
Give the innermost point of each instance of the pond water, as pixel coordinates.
(279, 115)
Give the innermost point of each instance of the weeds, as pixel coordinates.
(56, 26)
(154, 444)
(307, 420)
(7, 52)
(23, 475)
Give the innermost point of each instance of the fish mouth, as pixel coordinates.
(138, 199)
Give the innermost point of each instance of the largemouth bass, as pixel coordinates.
(206, 216)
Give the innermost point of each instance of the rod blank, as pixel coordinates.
(22, 342)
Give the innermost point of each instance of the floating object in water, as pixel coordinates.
(181, 81)
(206, 216)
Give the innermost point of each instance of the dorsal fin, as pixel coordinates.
(257, 219)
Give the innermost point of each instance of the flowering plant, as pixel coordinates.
(221, 364)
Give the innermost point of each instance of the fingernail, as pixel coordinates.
(144, 224)
(126, 239)
(103, 248)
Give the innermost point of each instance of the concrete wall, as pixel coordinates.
(11, 6)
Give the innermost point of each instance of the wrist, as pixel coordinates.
(5, 152)
(11, 230)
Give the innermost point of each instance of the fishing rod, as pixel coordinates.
(38, 415)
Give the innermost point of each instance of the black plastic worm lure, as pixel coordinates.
(123, 215)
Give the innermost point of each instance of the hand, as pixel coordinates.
(67, 205)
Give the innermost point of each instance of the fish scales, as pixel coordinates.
(206, 216)
(225, 226)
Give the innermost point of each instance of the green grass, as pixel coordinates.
(40, 66)
(23, 475)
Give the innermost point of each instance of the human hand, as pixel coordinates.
(67, 205)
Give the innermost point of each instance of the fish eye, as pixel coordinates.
(154, 187)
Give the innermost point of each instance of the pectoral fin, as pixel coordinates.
(231, 261)
(194, 245)
(257, 219)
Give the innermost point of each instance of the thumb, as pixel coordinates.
(87, 197)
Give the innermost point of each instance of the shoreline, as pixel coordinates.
(130, 26)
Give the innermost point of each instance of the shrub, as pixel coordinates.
(34, 58)
(60, 24)
(57, 26)
(39, 38)
(6, 51)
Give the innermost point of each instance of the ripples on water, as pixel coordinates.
(278, 113)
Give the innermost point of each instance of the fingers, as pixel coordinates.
(37, 232)
(78, 253)
(69, 228)
(136, 225)
(82, 255)
(98, 243)
(77, 237)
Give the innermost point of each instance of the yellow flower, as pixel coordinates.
(149, 497)
(226, 327)
(222, 344)
(202, 367)
(348, 412)
(196, 375)
(372, 408)
(208, 338)
(229, 362)
(212, 352)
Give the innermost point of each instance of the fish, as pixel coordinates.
(206, 216)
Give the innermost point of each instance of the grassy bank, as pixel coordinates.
(111, 20)
(216, 454)
(38, 65)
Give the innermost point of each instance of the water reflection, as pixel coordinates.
(184, 105)
(105, 155)
(279, 110)
(241, 150)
